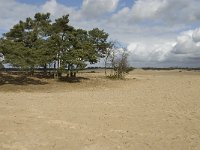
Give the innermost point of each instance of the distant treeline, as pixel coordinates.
(152, 68)
(171, 68)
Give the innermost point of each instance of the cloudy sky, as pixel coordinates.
(158, 33)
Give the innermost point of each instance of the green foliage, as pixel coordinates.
(37, 42)
(99, 39)
(1, 66)
(25, 45)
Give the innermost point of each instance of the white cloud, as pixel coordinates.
(11, 12)
(161, 11)
(183, 50)
(147, 52)
(147, 9)
(96, 8)
(196, 35)
(56, 9)
(188, 44)
(50, 6)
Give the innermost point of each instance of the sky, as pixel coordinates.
(157, 33)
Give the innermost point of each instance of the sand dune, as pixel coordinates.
(150, 110)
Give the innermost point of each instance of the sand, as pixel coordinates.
(150, 110)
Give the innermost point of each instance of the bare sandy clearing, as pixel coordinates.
(151, 110)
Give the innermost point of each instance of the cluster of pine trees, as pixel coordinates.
(40, 42)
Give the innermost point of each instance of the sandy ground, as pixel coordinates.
(151, 110)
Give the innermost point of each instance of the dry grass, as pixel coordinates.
(150, 110)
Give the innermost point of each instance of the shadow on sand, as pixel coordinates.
(72, 79)
(19, 80)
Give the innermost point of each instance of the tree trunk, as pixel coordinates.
(45, 69)
(54, 71)
(59, 73)
(74, 75)
(32, 71)
(71, 74)
(105, 67)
